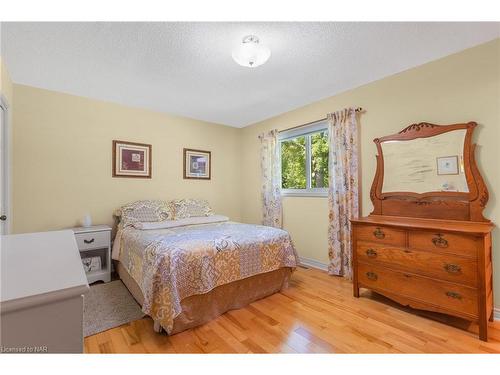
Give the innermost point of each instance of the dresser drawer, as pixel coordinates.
(92, 240)
(442, 266)
(443, 242)
(380, 234)
(449, 296)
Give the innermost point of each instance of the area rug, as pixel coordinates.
(107, 306)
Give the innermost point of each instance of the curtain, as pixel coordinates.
(270, 182)
(343, 189)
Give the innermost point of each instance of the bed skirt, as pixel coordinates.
(202, 308)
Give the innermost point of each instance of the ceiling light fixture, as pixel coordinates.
(250, 52)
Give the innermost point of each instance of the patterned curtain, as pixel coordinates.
(343, 189)
(270, 183)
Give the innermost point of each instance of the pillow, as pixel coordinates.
(184, 208)
(144, 211)
(181, 222)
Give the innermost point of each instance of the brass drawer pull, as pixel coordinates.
(454, 295)
(439, 241)
(452, 268)
(379, 234)
(372, 276)
(371, 253)
(88, 241)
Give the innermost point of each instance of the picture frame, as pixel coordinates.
(131, 159)
(447, 165)
(197, 164)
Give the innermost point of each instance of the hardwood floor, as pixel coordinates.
(316, 314)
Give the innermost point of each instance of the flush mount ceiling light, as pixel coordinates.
(250, 52)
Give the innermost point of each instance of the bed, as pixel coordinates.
(185, 271)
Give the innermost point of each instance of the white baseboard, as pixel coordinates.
(496, 313)
(308, 262)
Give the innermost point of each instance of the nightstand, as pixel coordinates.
(95, 241)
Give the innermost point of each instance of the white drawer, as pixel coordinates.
(92, 240)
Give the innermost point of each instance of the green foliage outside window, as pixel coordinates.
(293, 163)
(294, 160)
(319, 160)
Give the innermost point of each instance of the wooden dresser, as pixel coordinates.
(430, 251)
(428, 264)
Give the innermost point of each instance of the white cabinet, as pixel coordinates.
(42, 287)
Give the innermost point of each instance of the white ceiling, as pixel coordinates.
(186, 68)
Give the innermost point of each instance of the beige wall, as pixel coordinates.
(62, 159)
(459, 88)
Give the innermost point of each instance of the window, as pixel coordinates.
(304, 160)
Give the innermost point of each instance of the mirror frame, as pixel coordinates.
(465, 206)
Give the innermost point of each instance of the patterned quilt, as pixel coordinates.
(172, 264)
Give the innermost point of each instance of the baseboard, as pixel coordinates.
(313, 263)
(496, 313)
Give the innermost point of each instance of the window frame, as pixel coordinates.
(305, 131)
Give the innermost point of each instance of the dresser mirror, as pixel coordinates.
(424, 165)
(428, 170)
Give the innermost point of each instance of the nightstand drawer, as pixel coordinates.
(92, 240)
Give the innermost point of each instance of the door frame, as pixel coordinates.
(6, 183)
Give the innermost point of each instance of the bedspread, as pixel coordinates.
(172, 264)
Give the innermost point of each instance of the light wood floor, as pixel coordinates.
(317, 314)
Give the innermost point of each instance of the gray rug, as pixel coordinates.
(107, 306)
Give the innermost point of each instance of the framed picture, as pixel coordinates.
(447, 165)
(131, 159)
(197, 164)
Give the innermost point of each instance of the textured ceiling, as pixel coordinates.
(186, 68)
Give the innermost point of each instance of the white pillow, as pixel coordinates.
(180, 223)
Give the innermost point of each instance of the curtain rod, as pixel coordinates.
(357, 110)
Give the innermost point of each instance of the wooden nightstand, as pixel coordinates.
(95, 241)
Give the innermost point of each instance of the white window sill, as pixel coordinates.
(322, 193)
